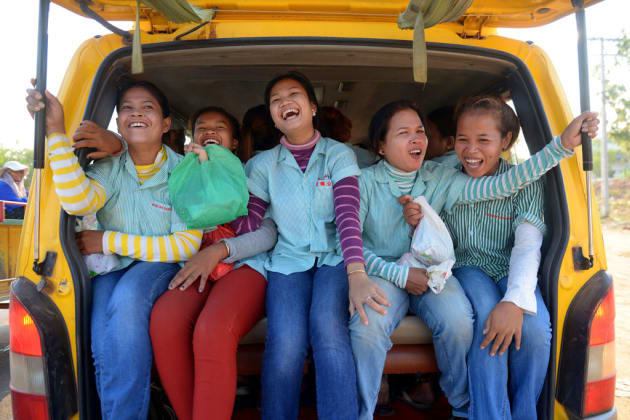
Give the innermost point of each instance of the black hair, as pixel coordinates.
(258, 111)
(127, 85)
(444, 119)
(234, 125)
(379, 124)
(302, 80)
(507, 121)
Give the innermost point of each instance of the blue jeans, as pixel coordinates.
(308, 309)
(527, 367)
(448, 315)
(121, 347)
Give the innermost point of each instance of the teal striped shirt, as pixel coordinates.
(386, 234)
(483, 232)
(404, 180)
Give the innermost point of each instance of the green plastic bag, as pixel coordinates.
(209, 193)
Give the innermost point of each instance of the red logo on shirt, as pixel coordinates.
(498, 217)
(159, 206)
(323, 181)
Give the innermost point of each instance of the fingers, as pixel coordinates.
(590, 127)
(506, 343)
(351, 308)
(404, 199)
(517, 340)
(488, 339)
(383, 297)
(202, 282)
(179, 278)
(190, 280)
(372, 303)
(499, 339)
(362, 313)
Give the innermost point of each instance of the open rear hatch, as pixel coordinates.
(493, 13)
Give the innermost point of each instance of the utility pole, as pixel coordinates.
(603, 146)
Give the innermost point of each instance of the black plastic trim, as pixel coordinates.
(573, 365)
(61, 391)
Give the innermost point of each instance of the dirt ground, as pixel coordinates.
(618, 255)
(617, 239)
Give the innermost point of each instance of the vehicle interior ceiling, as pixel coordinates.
(357, 79)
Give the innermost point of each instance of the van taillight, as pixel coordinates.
(601, 373)
(28, 387)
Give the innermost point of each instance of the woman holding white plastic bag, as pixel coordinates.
(398, 135)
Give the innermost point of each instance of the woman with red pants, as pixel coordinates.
(195, 330)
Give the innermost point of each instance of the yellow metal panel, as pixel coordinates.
(499, 13)
(9, 246)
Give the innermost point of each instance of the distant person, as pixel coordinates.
(259, 133)
(334, 124)
(441, 133)
(12, 175)
(175, 139)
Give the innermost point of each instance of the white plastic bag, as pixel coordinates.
(96, 263)
(431, 247)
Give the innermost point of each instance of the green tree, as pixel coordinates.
(24, 156)
(618, 97)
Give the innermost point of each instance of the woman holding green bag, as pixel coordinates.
(195, 330)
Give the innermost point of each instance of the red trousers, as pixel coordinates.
(195, 337)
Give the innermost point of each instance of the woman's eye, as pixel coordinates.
(402, 132)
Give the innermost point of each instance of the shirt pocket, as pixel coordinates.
(323, 201)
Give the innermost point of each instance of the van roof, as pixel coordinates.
(493, 13)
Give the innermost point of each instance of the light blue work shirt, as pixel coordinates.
(385, 231)
(301, 203)
(134, 208)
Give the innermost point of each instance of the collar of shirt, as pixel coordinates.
(286, 156)
(172, 159)
(419, 187)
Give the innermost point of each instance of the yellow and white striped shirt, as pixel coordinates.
(132, 203)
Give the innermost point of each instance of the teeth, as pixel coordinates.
(473, 161)
(289, 112)
(210, 141)
(138, 124)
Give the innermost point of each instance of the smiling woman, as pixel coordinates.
(118, 190)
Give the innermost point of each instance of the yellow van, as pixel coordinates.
(358, 59)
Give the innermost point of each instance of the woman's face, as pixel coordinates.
(479, 144)
(290, 107)
(140, 119)
(405, 142)
(214, 128)
(17, 176)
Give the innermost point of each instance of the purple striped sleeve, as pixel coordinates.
(346, 196)
(256, 208)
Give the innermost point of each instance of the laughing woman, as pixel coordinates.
(129, 194)
(308, 184)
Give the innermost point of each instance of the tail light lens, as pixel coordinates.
(28, 386)
(601, 374)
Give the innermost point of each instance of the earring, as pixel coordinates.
(314, 113)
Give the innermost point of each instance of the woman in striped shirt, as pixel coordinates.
(397, 134)
(129, 194)
(497, 250)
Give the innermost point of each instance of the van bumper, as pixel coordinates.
(608, 415)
